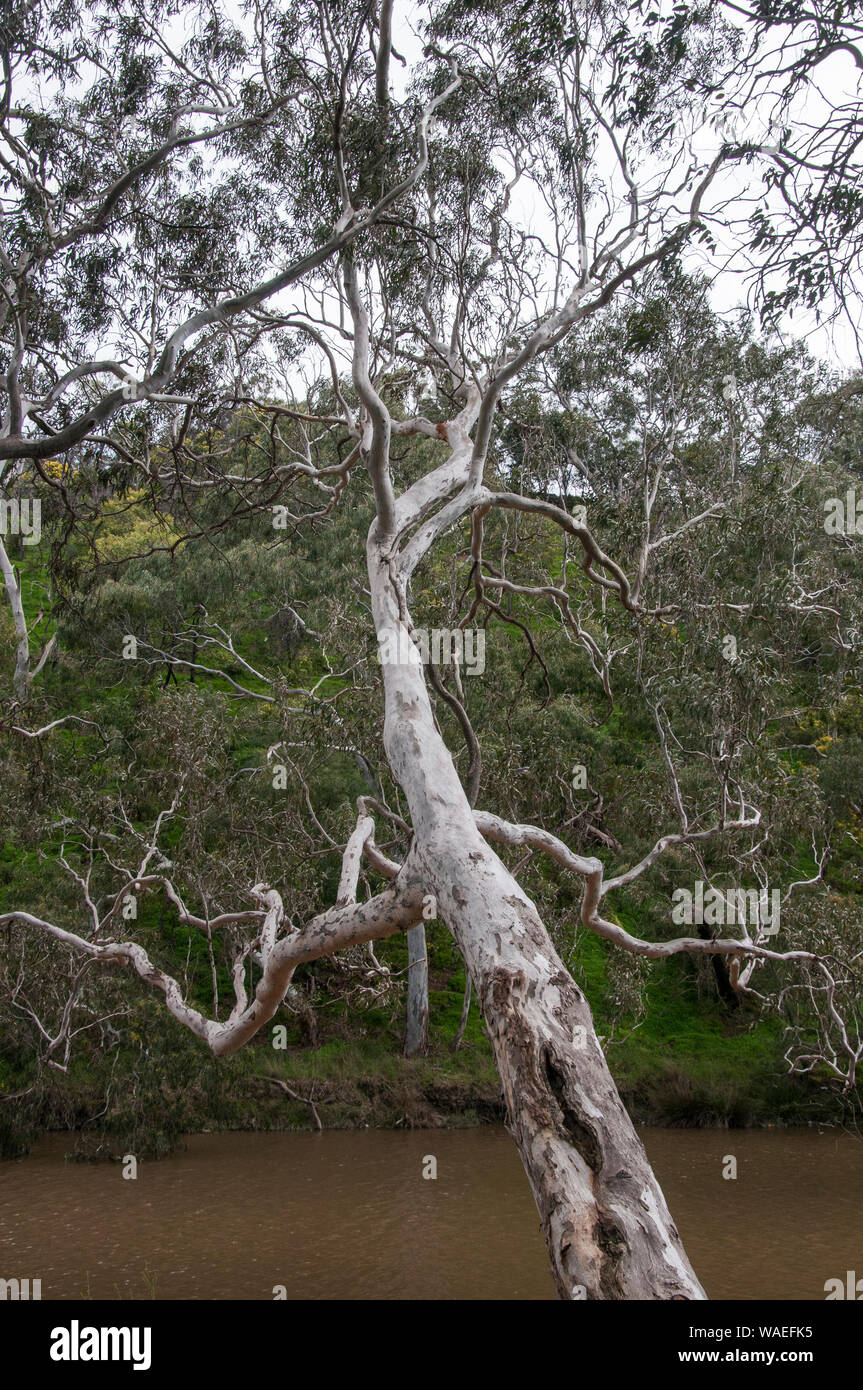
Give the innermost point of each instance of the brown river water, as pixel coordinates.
(349, 1215)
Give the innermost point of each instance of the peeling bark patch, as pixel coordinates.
(567, 985)
(583, 1138)
(504, 984)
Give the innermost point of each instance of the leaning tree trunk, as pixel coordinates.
(608, 1229)
(417, 1020)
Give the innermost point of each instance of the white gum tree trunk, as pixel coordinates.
(606, 1223)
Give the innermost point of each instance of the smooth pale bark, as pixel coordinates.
(605, 1220)
(417, 1019)
(21, 678)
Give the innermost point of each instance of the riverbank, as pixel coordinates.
(688, 1062)
(147, 1102)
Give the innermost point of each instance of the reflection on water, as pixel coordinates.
(348, 1215)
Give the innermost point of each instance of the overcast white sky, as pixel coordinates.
(834, 341)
